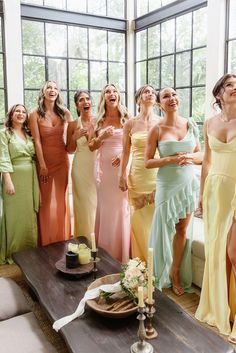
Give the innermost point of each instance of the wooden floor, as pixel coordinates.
(188, 301)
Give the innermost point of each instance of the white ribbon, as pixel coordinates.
(90, 294)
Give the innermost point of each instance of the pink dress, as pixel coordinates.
(54, 215)
(112, 226)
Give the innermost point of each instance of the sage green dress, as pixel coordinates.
(19, 221)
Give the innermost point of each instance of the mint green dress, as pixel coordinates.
(177, 193)
(19, 221)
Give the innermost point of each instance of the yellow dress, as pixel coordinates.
(84, 187)
(219, 206)
(141, 186)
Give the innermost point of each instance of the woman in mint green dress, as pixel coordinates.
(177, 141)
(20, 190)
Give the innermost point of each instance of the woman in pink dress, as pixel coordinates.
(112, 226)
(47, 124)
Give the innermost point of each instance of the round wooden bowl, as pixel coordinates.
(105, 309)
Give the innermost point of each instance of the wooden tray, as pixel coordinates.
(81, 270)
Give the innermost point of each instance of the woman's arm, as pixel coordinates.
(94, 142)
(71, 137)
(33, 125)
(125, 155)
(68, 117)
(205, 164)
(152, 143)
(8, 184)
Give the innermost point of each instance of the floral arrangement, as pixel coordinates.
(133, 275)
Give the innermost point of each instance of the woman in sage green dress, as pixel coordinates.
(177, 192)
(19, 186)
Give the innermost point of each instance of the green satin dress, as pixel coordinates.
(177, 194)
(19, 221)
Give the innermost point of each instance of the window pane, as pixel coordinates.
(1, 72)
(31, 99)
(2, 106)
(199, 66)
(0, 34)
(141, 74)
(59, 4)
(183, 69)
(183, 32)
(154, 73)
(116, 46)
(56, 40)
(184, 95)
(154, 41)
(98, 75)
(64, 98)
(95, 100)
(199, 27)
(115, 8)
(117, 75)
(167, 37)
(97, 44)
(154, 4)
(78, 42)
(97, 7)
(78, 74)
(232, 56)
(72, 105)
(75, 5)
(142, 7)
(232, 22)
(57, 72)
(141, 45)
(198, 103)
(34, 71)
(33, 37)
(167, 71)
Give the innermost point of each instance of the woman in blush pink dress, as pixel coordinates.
(47, 124)
(112, 226)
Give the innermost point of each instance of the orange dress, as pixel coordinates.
(54, 215)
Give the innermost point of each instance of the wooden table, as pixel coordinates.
(60, 295)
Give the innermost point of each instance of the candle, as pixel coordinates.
(84, 256)
(140, 297)
(150, 275)
(93, 242)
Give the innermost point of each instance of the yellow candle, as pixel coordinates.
(93, 242)
(150, 275)
(84, 256)
(140, 297)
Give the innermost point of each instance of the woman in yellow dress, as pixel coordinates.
(82, 172)
(141, 182)
(217, 305)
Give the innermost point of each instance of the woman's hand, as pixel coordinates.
(107, 132)
(115, 162)
(183, 159)
(9, 188)
(123, 184)
(79, 132)
(43, 174)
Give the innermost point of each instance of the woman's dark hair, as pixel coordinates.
(58, 106)
(140, 92)
(9, 122)
(159, 93)
(219, 89)
(77, 95)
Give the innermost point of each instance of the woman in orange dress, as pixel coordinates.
(47, 124)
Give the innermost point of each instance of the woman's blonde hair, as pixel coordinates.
(58, 108)
(102, 108)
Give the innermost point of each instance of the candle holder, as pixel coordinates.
(141, 346)
(95, 260)
(150, 310)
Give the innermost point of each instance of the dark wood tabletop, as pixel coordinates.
(60, 294)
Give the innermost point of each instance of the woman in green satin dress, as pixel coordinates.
(176, 139)
(20, 190)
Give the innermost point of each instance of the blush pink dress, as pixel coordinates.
(54, 215)
(112, 226)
